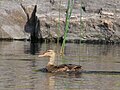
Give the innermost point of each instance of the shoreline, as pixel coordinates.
(77, 41)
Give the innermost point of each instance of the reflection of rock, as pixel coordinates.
(97, 25)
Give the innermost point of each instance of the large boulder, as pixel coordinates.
(96, 20)
(12, 20)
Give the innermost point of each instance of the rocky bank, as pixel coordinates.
(91, 20)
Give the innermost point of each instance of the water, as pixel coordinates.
(19, 60)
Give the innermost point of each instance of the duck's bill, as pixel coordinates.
(41, 55)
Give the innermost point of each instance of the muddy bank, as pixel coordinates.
(97, 20)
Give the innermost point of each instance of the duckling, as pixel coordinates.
(52, 68)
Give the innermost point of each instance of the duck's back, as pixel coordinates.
(73, 67)
(62, 68)
(68, 68)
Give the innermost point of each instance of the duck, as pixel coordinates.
(52, 68)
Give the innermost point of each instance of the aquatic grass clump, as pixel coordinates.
(68, 15)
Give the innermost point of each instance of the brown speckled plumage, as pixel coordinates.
(52, 68)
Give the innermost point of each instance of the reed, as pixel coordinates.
(68, 15)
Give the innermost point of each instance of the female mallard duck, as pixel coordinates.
(52, 68)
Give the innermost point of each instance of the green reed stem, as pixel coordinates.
(68, 15)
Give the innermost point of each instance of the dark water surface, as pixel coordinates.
(19, 60)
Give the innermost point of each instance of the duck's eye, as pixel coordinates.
(48, 51)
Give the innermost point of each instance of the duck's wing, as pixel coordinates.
(61, 68)
(69, 67)
(74, 67)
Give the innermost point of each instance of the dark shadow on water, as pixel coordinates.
(32, 48)
(102, 72)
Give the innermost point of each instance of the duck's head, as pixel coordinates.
(48, 53)
(51, 54)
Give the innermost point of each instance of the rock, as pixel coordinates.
(100, 19)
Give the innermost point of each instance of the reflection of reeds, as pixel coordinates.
(68, 15)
